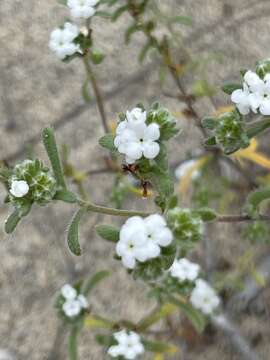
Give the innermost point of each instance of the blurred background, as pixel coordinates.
(37, 90)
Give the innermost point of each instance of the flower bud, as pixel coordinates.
(263, 68)
(185, 224)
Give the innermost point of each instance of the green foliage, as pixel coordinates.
(257, 127)
(86, 92)
(42, 185)
(107, 141)
(66, 196)
(97, 56)
(229, 132)
(230, 87)
(202, 88)
(12, 221)
(52, 151)
(257, 233)
(186, 225)
(73, 233)
(263, 67)
(94, 281)
(255, 198)
(206, 214)
(108, 232)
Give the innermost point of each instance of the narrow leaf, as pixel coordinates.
(230, 87)
(12, 222)
(255, 198)
(206, 214)
(66, 196)
(94, 280)
(258, 127)
(85, 91)
(51, 148)
(73, 233)
(107, 232)
(185, 20)
(107, 141)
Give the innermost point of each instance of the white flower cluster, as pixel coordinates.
(62, 40)
(82, 8)
(141, 239)
(134, 138)
(129, 345)
(74, 302)
(204, 297)
(19, 188)
(184, 270)
(254, 96)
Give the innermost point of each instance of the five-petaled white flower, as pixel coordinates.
(135, 139)
(129, 345)
(19, 188)
(204, 297)
(83, 301)
(140, 239)
(184, 269)
(254, 96)
(82, 8)
(62, 41)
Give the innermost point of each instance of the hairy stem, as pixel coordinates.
(72, 344)
(93, 81)
(110, 211)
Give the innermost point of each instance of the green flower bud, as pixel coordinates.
(263, 68)
(42, 185)
(229, 132)
(185, 224)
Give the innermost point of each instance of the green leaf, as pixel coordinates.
(66, 196)
(195, 316)
(97, 56)
(107, 232)
(206, 214)
(209, 122)
(210, 141)
(158, 347)
(51, 148)
(85, 91)
(12, 222)
(119, 12)
(94, 280)
(255, 198)
(202, 88)
(103, 14)
(257, 127)
(185, 20)
(146, 48)
(230, 87)
(107, 141)
(130, 31)
(73, 233)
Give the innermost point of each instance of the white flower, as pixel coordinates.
(69, 292)
(83, 301)
(136, 139)
(72, 308)
(241, 98)
(184, 269)
(135, 115)
(255, 83)
(19, 188)
(140, 239)
(82, 8)
(185, 167)
(204, 297)
(129, 345)
(61, 41)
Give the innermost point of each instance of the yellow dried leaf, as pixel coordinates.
(251, 154)
(223, 109)
(93, 322)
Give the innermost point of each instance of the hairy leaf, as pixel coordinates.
(73, 233)
(108, 232)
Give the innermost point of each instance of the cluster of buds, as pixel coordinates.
(71, 303)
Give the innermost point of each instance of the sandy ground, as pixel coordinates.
(37, 90)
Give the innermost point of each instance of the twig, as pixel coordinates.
(240, 301)
(241, 345)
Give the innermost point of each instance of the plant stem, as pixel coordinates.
(93, 81)
(241, 218)
(72, 344)
(110, 211)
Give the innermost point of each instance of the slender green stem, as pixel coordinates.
(110, 211)
(93, 81)
(241, 218)
(72, 344)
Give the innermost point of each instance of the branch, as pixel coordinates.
(240, 301)
(222, 323)
(241, 218)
